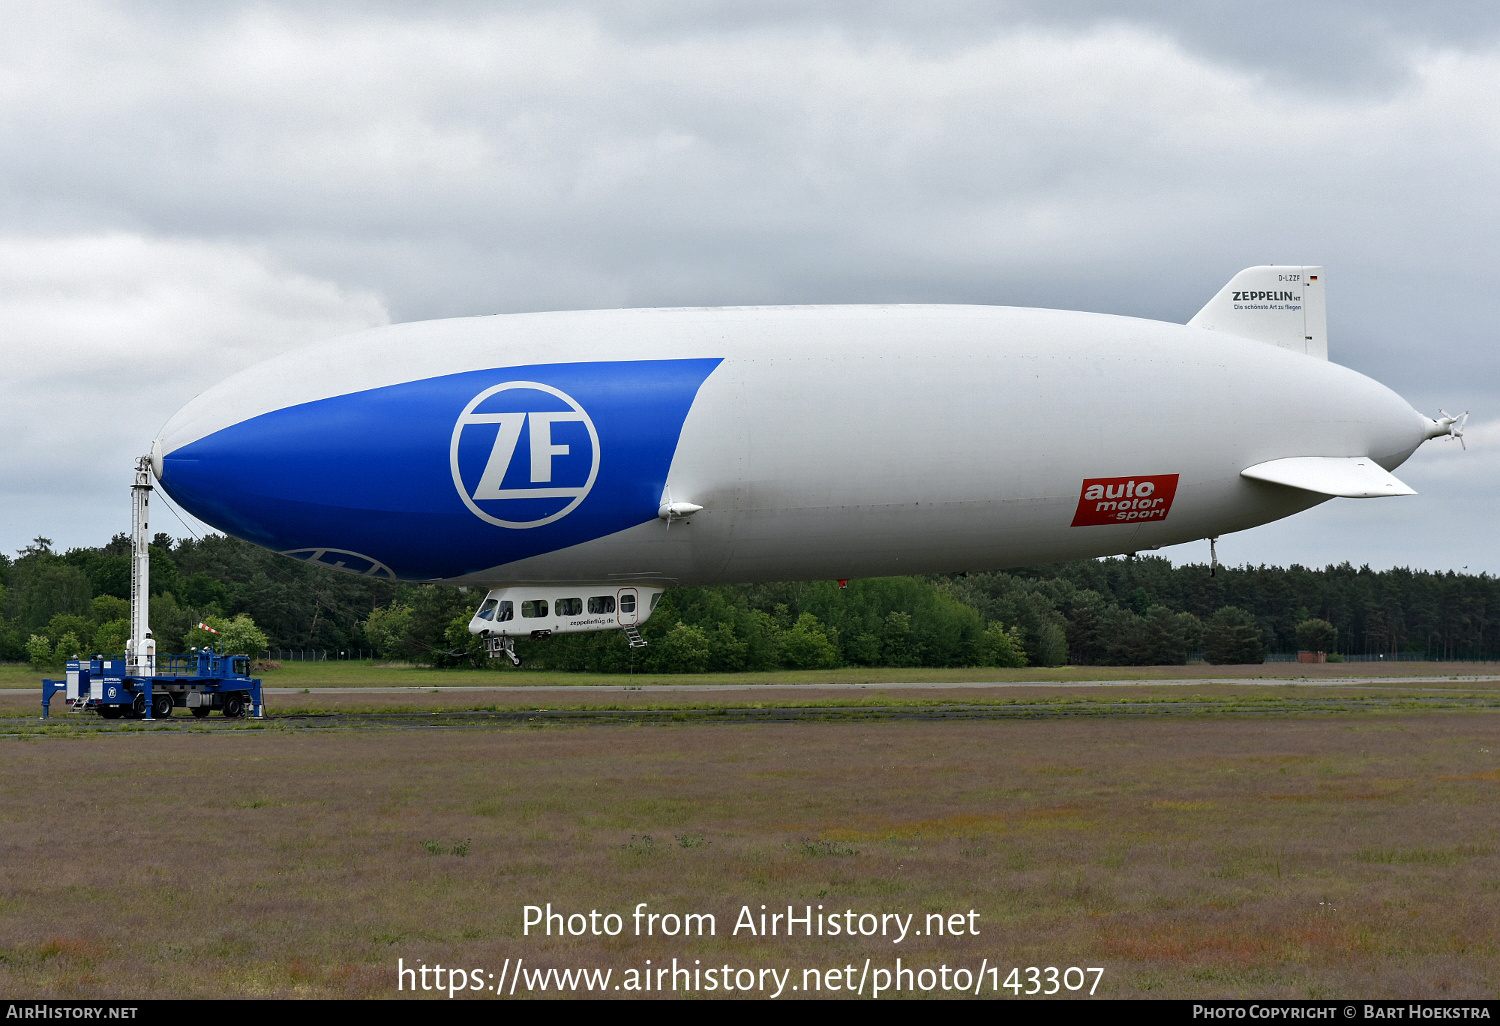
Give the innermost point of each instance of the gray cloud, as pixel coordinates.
(1347, 45)
(106, 336)
(469, 158)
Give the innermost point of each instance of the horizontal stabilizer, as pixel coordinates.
(1356, 477)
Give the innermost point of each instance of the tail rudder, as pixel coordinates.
(1278, 304)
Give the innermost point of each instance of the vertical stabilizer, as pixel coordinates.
(1282, 305)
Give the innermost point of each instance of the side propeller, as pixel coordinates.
(670, 511)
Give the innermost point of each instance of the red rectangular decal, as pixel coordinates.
(1125, 500)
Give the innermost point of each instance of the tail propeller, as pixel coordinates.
(1449, 426)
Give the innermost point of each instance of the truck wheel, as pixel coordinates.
(234, 706)
(161, 705)
(138, 706)
(200, 711)
(111, 712)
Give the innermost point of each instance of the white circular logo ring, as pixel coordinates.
(330, 558)
(509, 430)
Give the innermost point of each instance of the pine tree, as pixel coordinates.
(1233, 636)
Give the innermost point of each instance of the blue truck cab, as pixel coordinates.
(201, 681)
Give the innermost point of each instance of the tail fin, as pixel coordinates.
(1282, 305)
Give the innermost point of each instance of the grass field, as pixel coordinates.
(1275, 839)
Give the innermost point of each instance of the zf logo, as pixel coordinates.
(523, 454)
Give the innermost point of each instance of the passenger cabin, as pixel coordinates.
(536, 612)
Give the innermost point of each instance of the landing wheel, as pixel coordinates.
(234, 706)
(200, 711)
(161, 705)
(507, 646)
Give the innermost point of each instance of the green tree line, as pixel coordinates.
(1127, 611)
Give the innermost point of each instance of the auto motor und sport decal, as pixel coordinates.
(1125, 500)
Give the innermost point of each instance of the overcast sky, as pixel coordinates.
(186, 188)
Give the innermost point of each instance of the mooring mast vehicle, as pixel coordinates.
(141, 684)
(202, 682)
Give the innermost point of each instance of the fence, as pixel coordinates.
(317, 655)
(1379, 657)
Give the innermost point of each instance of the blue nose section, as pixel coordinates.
(445, 476)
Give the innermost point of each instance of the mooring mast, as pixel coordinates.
(141, 649)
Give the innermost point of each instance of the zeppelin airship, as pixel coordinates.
(576, 464)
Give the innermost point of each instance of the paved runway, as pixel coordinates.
(1406, 683)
